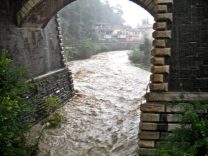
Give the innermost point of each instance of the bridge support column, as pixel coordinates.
(157, 116)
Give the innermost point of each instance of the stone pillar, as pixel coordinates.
(154, 124)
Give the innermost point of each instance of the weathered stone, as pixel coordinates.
(161, 8)
(163, 1)
(162, 34)
(152, 107)
(174, 117)
(161, 52)
(31, 3)
(159, 87)
(147, 135)
(28, 7)
(146, 143)
(150, 117)
(148, 126)
(172, 127)
(173, 108)
(160, 69)
(158, 60)
(157, 78)
(164, 17)
(22, 14)
(176, 96)
(159, 43)
(160, 26)
(147, 2)
(147, 152)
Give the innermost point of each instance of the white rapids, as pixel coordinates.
(103, 117)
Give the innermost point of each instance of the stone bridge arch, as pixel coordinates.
(33, 14)
(179, 58)
(38, 12)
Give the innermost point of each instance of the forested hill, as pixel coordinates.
(79, 17)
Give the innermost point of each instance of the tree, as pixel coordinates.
(77, 22)
(78, 18)
(16, 113)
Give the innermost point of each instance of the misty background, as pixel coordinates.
(93, 26)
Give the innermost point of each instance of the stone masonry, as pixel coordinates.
(179, 57)
(39, 52)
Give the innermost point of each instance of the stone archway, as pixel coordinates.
(179, 57)
(38, 13)
(34, 14)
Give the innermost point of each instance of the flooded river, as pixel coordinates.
(103, 117)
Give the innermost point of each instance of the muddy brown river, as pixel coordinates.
(103, 117)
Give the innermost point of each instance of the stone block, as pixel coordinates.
(147, 2)
(161, 52)
(161, 9)
(148, 126)
(157, 78)
(164, 17)
(147, 135)
(160, 69)
(159, 87)
(22, 14)
(150, 117)
(176, 96)
(160, 26)
(159, 43)
(158, 60)
(174, 117)
(163, 1)
(147, 152)
(147, 143)
(28, 6)
(171, 127)
(31, 3)
(162, 34)
(152, 107)
(171, 108)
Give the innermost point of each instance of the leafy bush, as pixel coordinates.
(55, 119)
(141, 54)
(136, 55)
(85, 49)
(51, 104)
(15, 111)
(192, 138)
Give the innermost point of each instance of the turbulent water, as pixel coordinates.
(103, 117)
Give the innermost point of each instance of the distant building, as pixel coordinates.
(105, 32)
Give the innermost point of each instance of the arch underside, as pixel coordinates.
(38, 13)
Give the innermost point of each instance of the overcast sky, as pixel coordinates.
(132, 13)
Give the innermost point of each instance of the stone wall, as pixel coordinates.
(189, 56)
(39, 52)
(57, 83)
(35, 49)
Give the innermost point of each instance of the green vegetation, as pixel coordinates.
(55, 119)
(16, 114)
(140, 55)
(77, 22)
(51, 104)
(136, 55)
(192, 138)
